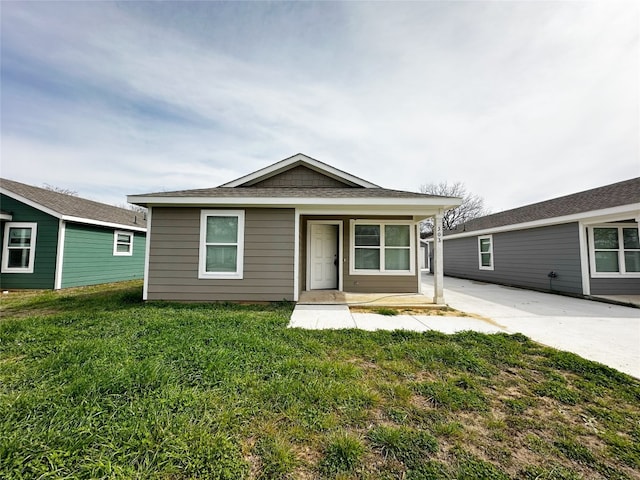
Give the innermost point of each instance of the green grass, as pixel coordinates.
(94, 383)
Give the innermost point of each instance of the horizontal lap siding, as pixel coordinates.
(522, 258)
(268, 258)
(89, 260)
(44, 267)
(360, 283)
(615, 286)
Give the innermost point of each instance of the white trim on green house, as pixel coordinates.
(119, 241)
(62, 229)
(69, 218)
(31, 247)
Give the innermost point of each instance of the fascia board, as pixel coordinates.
(283, 164)
(613, 214)
(292, 202)
(89, 221)
(415, 214)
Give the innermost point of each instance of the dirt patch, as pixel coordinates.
(411, 310)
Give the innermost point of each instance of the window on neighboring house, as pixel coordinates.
(122, 243)
(221, 244)
(615, 250)
(485, 252)
(19, 247)
(382, 248)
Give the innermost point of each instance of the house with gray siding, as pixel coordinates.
(296, 225)
(583, 244)
(52, 240)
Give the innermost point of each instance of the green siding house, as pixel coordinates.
(52, 240)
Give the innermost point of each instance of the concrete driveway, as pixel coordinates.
(609, 334)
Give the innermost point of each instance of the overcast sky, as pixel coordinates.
(521, 101)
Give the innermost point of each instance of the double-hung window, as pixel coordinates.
(485, 252)
(382, 248)
(122, 243)
(221, 244)
(19, 247)
(615, 250)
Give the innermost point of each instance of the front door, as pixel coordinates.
(323, 255)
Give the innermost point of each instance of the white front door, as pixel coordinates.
(323, 255)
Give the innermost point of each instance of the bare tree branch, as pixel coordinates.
(53, 188)
(132, 207)
(472, 206)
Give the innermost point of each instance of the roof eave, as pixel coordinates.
(612, 214)
(283, 202)
(68, 218)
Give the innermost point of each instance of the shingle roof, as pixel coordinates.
(72, 206)
(614, 195)
(290, 192)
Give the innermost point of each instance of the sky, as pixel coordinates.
(521, 101)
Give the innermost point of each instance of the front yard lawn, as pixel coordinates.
(96, 384)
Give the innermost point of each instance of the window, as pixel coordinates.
(221, 244)
(485, 252)
(122, 243)
(615, 250)
(382, 248)
(19, 247)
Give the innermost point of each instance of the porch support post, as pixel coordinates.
(438, 272)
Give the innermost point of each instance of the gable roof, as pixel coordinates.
(72, 208)
(295, 161)
(350, 193)
(557, 210)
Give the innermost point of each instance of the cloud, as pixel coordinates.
(521, 101)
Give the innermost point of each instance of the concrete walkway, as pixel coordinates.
(609, 334)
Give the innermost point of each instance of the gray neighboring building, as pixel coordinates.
(584, 244)
(293, 226)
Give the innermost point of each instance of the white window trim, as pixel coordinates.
(382, 271)
(202, 263)
(5, 247)
(116, 253)
(621, 263)
(490, 252)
